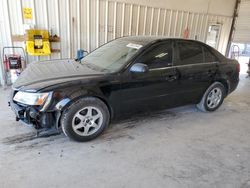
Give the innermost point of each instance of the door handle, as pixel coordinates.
(211, 72)
(171, 78)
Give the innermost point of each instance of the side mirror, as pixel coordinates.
(80, 54)
(139, 68)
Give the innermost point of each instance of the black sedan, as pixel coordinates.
(126, 75)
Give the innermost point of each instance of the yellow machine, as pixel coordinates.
(37, 42)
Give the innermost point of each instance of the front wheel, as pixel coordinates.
(212, 98)
(85, 119)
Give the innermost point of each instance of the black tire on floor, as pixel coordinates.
(203, 105)
(69, 113)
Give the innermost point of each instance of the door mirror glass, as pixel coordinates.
(139, 68)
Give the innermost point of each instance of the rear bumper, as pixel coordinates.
(233, 85)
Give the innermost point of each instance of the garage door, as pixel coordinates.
(242, 29)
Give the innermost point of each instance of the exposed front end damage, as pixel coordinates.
(42, 121)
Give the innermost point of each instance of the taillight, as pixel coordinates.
(238, 67)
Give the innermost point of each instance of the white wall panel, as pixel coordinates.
(53, 24)
(5, 32)
(88, 24)
(242, 31)
(15, 15)
(218, 7)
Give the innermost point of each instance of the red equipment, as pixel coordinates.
(14, 64)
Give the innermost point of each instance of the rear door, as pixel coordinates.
(197, 68)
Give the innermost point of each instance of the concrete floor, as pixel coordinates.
(181, 147)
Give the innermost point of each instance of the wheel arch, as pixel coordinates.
(88, 95)
(201, 105)
(225, 83)
(63, 104)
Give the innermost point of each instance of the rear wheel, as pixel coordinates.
(85, 119)
(212, 98)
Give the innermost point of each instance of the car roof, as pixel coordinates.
(147, 40)
(140, 39)
(143, 40)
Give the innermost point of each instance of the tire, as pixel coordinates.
(206, 103)
(85, 119)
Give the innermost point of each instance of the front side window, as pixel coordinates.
(189, 53)
(158, 56)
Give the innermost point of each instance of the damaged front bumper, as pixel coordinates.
(32, 116)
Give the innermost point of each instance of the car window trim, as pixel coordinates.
(176, 66)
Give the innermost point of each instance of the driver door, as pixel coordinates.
(154, 88)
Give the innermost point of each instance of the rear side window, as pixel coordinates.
(209, 57)
(189, 53)
(158, 56)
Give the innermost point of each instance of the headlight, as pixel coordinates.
(31, 98)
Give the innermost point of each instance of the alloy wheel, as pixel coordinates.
(214, 98)
(87, 121)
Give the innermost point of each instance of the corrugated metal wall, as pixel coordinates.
(242, 29)
(88, 24)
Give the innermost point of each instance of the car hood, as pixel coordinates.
(42, 74)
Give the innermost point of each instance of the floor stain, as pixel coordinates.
(119, 128)
(31, 146)
(246, 184)
(130, 122)
(115, 136)
(21, 138)
(115, 131)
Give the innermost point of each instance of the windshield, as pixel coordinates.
(111, 56)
